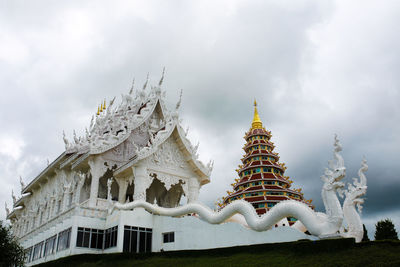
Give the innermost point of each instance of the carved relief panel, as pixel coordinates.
(169, 155)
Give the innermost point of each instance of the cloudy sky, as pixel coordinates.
(316, 68)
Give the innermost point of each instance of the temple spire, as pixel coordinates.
(262, 180)
(257, 123)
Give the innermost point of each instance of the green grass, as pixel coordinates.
(339, 252)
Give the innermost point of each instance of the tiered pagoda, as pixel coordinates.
(261, 176)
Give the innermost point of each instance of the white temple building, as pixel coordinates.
(133, 151)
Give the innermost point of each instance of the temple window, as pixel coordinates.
(50, 245)
(90, 238)
(28, 253)
(137, 239)
(256, 170)
(37, 251)
(63, 239)
(110, 237)
(169, 237)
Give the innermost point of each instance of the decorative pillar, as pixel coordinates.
(81, 182)
(123, 186)
(51, 207)
(97, 170)
(65, 197)
(193, 188)
(142, 181)
(41, 214)
(109, 184)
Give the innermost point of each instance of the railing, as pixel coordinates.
(99, 211)
(101, 203)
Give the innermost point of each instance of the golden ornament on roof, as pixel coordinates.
(257, 123)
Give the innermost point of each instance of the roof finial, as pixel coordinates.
(133, 85)
(179, 101)
(257, 123)
(162, 77)
(104, 106)
(147, 80)
(22, 183)
(98, 111)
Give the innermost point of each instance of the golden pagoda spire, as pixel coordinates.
(98, 110)
(257, 123)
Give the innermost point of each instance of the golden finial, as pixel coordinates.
(101, 107)
(257, 123)
(104, 104)
(98, 110)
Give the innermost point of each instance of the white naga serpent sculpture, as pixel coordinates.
(317, 223)
(353, 194)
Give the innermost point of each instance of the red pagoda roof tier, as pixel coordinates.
(252, 199)
(261, 132)
(255, 164)
(259, 142)
(260, 153)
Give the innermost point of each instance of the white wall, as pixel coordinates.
(190, 233)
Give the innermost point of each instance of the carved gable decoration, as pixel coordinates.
(138, 138)
(168, 155)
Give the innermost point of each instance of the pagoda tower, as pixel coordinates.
(261, 176)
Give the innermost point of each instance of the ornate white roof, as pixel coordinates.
(139, 124)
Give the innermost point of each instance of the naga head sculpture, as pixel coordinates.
(336, 171)
(358, 189)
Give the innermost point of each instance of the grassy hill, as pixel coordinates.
(339, 252)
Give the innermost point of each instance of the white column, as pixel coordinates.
(65, 198)
(51, 207)
(81, 182)
(123, 186)
(142, 181)
(97, 171)
(193, 188)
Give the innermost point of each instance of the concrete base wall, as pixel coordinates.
(190, 233)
